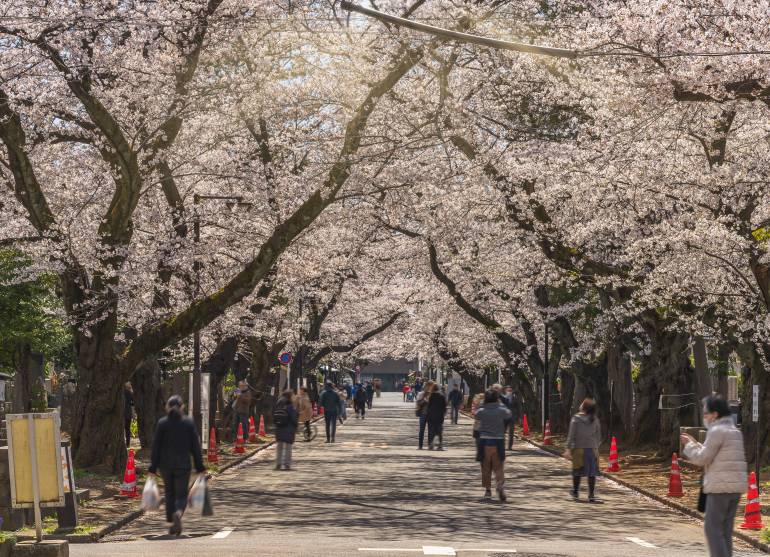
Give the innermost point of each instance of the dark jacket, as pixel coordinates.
(360, 397)
(176, 440)
(330, 401)
(456, 397)
(514, 405)
(369, 391)
(436, 408)
(286, 433)
(128, 405)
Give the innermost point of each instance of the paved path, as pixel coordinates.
(374, 491)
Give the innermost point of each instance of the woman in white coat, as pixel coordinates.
(725, 477)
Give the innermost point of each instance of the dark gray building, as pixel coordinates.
(390, 371)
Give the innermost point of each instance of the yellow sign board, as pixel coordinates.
(43, 428)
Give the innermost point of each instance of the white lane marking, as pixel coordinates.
(437, 550)
(639, 541)
(486, 550)
(223, 533)
(389, 549)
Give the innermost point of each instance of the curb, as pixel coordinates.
(133, 515)
(673, 505)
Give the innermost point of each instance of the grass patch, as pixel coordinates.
(7, 537)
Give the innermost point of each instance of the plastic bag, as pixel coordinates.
(150, 496)
(197, 498)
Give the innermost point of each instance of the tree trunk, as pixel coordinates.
(148, 399)
(594, 379)
(752, 356)
(665, 370)
(29, 368)
(619, 373)
(97, 433)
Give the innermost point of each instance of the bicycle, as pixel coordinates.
(309, 433)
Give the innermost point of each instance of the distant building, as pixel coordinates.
(390, 371)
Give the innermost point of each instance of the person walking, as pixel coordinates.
(305, 410)
(343, 404)
(583, 440)
(513, 404)
(330, 401)
(242, 408)
(128, 411)
(435, 417)
(490, 424)
(455, 402)
(369, 395)
(406, 388)
(725, 478)
(421, 410)
(175, 443)
(359, 402)
(286, 421)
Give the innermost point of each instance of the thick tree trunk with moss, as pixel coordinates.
(97, 432)
(752, 355)
(665, 370)
(148, 399)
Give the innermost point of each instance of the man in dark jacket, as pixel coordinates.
(436, 412)
(359, 402)
(513, 404)
(128, 411)
(330, 401)
(176, 442)
(286, 420)
(369, 395)
(455, 400)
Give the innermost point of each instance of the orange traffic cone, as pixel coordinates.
(752, 517)
(547, 433)
(128, 488)
(525, 427)
(213, 456)
(614, 466)
(239, 442)
(675, 479)
(262, 427)
(252, 431)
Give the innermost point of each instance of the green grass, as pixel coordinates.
(764, 535)
(7, 537)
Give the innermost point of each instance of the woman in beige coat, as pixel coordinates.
(305, 409)
(725, 477)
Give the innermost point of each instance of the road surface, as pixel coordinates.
(373, 494)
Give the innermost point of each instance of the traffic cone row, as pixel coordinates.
(128, 488)
(547, 433)
(252, 431)
(525, 427)
(239, 442)
(262, 427)
(212, 455)
(675, 478)
(613, 466)
(752, 517)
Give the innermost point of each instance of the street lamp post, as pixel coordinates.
(195, 396)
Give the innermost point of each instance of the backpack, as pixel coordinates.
(280, 416)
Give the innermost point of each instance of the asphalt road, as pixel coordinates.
(374, 494)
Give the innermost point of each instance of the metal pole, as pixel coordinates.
(195, 396)
(546, 382)
(35, 480)
(612, 390)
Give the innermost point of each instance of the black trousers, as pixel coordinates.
(176, 484)
(330, 418)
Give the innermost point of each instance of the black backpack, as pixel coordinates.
(280, 416)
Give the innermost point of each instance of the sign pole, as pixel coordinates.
(755, 419)
(35, 483)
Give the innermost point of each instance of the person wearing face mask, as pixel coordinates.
(725, 477)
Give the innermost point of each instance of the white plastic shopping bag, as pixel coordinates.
(197, 494)
(150, 496)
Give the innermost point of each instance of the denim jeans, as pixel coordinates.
(455, 414)
(423, 423)
(283, 454)
(331, 425)
(719, 521)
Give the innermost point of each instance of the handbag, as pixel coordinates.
(702, 498)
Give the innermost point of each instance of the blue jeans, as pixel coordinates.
(423, 423)
(330, 419)
(455, 414)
